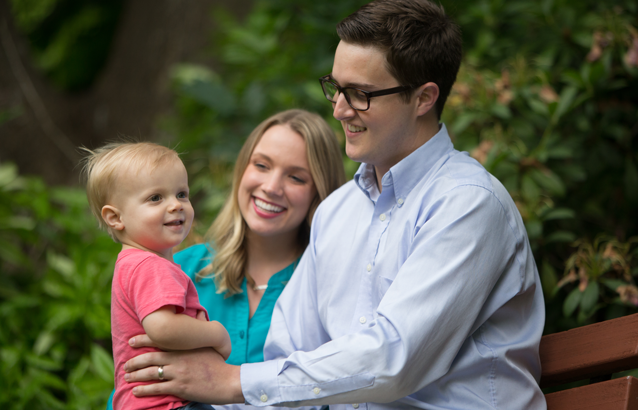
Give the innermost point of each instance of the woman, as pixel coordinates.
(287, 166)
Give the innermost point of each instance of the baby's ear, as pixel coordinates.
(112, 217)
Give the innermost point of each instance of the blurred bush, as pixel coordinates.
(56, 269)
(547, 100)
(69, 39)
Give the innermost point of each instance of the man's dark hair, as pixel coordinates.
(421, 43)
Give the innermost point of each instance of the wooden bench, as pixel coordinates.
(592, 352)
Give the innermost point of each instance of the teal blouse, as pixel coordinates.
(247, 335)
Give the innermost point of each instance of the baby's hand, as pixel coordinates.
(222, 340)
(224, 350)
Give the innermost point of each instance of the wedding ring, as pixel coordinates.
(160, 372)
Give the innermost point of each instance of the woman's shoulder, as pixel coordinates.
(194, 258)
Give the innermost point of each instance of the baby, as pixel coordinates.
(139, 194)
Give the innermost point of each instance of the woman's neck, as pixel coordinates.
(269, 255)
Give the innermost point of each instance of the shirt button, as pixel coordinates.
(241, 334)
(382, 217)
(356, 405)
(362, 319)
(369, 267)
(400, 201)
(316, 390)
(263, 398)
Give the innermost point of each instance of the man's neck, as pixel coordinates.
(426, 131)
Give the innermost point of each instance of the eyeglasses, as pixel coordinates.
(356, 98)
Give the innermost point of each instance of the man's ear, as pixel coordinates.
(112, 217)
(427, 95)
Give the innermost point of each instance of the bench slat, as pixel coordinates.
(617, 394)
(593, 350)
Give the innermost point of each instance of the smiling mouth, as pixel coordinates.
(175, 223)
(354, 128)
(265, 206)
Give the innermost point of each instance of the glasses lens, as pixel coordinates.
(331, 92)
(357, 99)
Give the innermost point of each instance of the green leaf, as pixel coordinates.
(529, 188)
(549, 279)
(501, 111)
(42, 362)
(534, 229)
(590, 297)
(539, 107)
(564, 103)
(214, 95)
(17, 222)
(571, 302)
(61, 263)
(8, 173)
(613, 284)
(560, 236)
(560, 152)
(43, 342)
(548, 180)
(558, 213)
(102, 362)
(462, 122)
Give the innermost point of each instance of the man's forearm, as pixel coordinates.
(197, 375)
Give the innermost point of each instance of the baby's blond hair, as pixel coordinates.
(104, 166)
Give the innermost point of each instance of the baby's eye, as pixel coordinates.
(182, 195)
(155, 198)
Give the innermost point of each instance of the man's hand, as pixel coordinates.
(197, 375)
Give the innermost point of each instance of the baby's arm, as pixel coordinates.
(174, 331)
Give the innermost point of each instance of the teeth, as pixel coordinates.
(268, 207)
(354, 128)
(175, 223)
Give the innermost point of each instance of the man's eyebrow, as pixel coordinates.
(353, 85)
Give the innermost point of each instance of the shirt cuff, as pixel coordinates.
(259, 383)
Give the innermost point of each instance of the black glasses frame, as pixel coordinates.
(368, 94)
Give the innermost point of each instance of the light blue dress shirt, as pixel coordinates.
(425, 295)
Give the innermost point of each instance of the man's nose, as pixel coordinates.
(341, 109)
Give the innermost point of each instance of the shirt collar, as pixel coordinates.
(409, 171)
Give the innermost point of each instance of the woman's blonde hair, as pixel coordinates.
(227, 234)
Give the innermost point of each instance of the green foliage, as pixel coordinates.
(55, 274)
(547, 100)
(69, 39)
(605, 270)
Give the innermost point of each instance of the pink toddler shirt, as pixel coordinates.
(143, 283)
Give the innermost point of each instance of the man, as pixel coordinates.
(418, 288)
